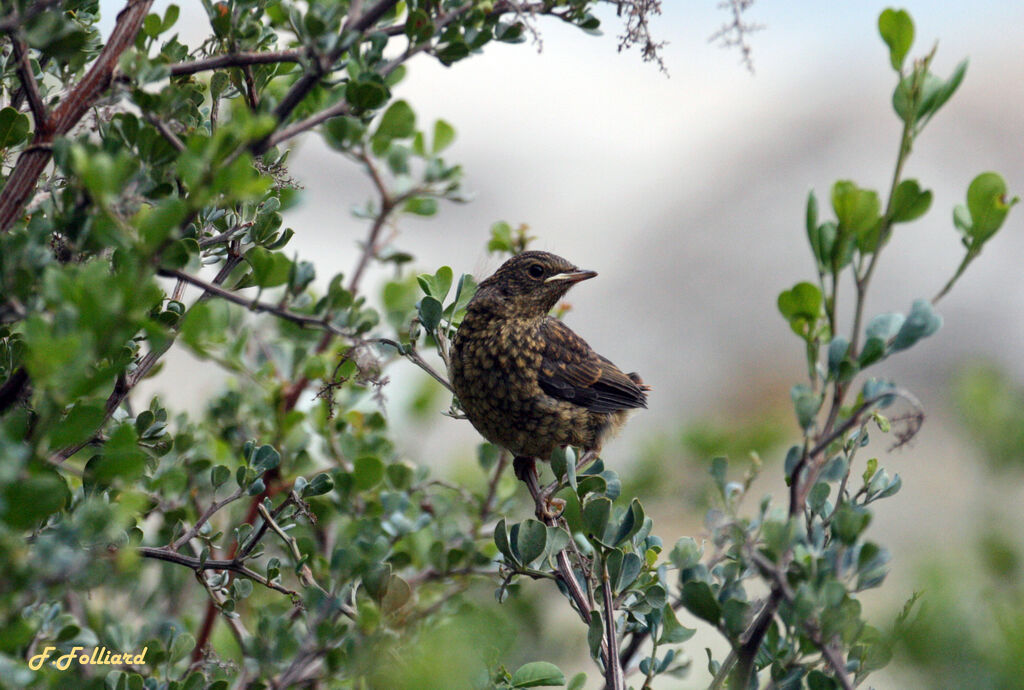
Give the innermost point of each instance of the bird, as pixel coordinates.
(524, 379)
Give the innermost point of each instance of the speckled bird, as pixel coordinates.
(526, 381)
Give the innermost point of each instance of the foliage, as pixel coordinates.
(263, 541)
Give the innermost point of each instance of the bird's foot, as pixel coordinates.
(548, 508)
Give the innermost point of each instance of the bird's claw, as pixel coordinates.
(549, 507)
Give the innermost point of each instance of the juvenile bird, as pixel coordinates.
(525, 380)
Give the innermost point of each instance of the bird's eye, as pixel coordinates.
(535, 271)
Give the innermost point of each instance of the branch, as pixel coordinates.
(28, 83)
(240, 59)
(321, 66)
(234, 565)
(214, 507)
(253, 305)
(16, 20)
(34, 159)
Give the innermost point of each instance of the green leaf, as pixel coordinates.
(81, 422)
(623, 569)
(801, 306)
(368, 472)
(531, 540)
(988, 205)
(397, 594)
(366, 95)
(501, 540)
(897, 30)
(398, 122)
(698, 600)
(672, 631)
(856, 209)
(28, 501)
(13, 127)
(685, 554)
(937, 91)
(437, 285)
(537, 674)
(429, 311)
(120, 457)
(321, 484)
(909, 202)
(849, 522)
(806, 403)
(595, 634)
(219, 474)
(596, 513)
(632, 521)
(577, 682)
(444, 135)
(182, 645)
(421, 206)
(269, 269)
(718, 469)
(920, 323)
(265, 458)
(418, 26)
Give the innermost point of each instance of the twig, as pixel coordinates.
(305, 574)
(28, 83)
(239, 59)
(233, 623)
(165, 131)
(487, 507)
(207, 514)
(253, 305)
(321, 66)
(233, 565)
(16, 20)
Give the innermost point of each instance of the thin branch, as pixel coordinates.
(28, 83)
(253, 305)
(321, 66)
(207, 514)
(487, 507)
(305, 574)
(233, 624)
(16, 20)
(33, 160)
(240, 59)
(233, 565)
(165, 131)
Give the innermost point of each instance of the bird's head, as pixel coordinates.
(530, 284)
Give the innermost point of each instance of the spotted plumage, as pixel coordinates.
(524, 379)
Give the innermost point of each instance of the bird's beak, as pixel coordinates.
(571, 276)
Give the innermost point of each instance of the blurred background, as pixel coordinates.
(686, 192)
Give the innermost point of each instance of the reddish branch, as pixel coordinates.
(34, 159)
(29, 85)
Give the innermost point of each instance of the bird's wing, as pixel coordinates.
(572, 371)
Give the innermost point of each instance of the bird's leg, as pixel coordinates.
(525, 468)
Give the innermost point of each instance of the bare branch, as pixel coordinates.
(207, 514)
(28, 83)
(734, 33)
(240, 59)
(234, 565)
